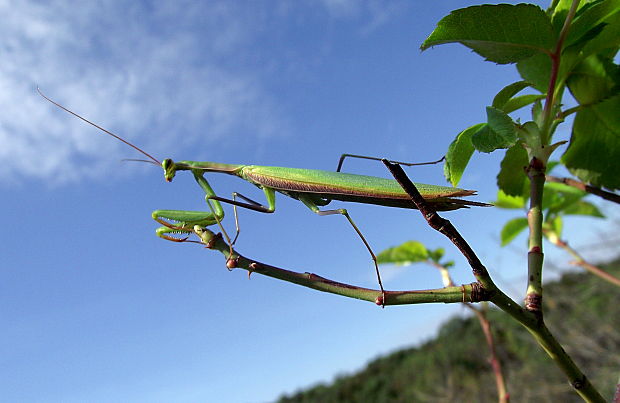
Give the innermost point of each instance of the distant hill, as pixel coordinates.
(580, 309)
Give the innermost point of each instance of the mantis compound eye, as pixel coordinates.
(169, 169)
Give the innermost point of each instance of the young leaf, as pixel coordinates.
(508, 92)
(458, 155)
(496, 32)
(519, 102)
(499, 133)
(509, 202)
(407, 253)
(511, 178)
(436, 255)
(583, 207)
(511, 229)
(553, 228)
(593, 154)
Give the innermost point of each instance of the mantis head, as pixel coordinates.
(170, 169)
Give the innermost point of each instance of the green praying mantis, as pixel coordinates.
(314, 188)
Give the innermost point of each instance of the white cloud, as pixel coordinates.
(154, 75)
(373, 13)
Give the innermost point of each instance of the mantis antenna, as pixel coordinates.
(100, 128)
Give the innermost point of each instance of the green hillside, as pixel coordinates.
(581, 310)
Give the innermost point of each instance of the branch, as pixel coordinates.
(464, 293)
(610, 196)
(580, 261)
(500, 383)
(532, 322)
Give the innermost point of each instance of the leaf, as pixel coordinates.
(508, 92)
(593, 154)
(519, 102)
(536, 70)
(511, 178)
(501, 33)
(583, 207)
(551, 165)
(594, 79)
(608, 39)
(436, 255)
(509, 202)
(498, 133)
(553, 228)
(558, 197)
(590, 17)
(405, 254)
(511, 229)
(458, 154)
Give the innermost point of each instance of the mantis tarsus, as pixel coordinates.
(314, 188)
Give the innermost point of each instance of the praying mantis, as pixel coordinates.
(313, 188)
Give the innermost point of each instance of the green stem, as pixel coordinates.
(556, 56)
(463, 293)
(535, 256)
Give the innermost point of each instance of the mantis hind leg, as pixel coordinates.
(312, 206)
(365, 157)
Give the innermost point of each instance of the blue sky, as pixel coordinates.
(97, 308)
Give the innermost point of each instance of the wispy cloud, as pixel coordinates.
(129, 67)
(373, 13)
(166, 75)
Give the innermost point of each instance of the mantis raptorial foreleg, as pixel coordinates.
(312, 206)
(183, 221)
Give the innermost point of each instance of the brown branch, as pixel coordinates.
(500, 383)
(533, 323)
(580, 261)
(610, 196)
(503, 396)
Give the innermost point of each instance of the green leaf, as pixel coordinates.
(519, 102)
(405, 254)
(458, 155)
(536, 70)
(583, 207)
(553, 228)
(593, 154)
(498, 133)
(558, 197)
(608, 39)
(508, 92)
(509, 202)
(551, 165)
(511, 229)
(501, 33)
(594, 79)
(590, 17)
(436, 255)
(511, 178)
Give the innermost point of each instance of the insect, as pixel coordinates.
(314, 188)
